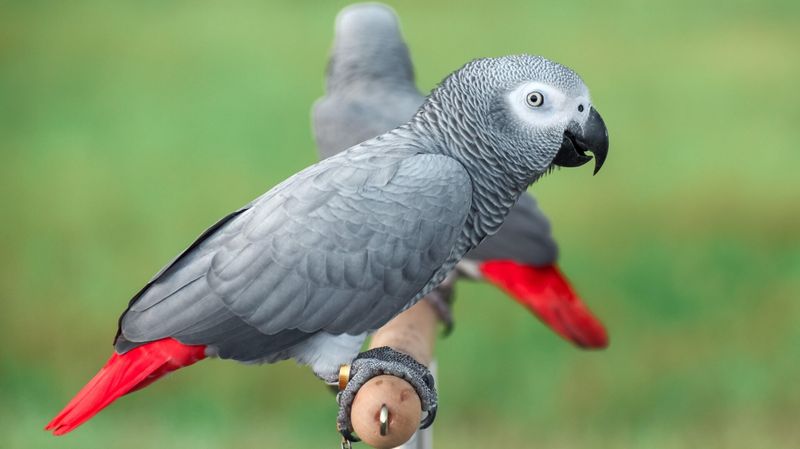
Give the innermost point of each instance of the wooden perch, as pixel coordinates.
(414, 333)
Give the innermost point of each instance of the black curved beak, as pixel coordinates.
(594, 139)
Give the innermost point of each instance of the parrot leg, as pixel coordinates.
(380, 361)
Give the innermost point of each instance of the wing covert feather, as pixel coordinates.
(375, 240)
(340, 247)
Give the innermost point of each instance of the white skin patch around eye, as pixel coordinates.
(557, 108)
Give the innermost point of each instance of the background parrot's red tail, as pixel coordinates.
(547, 293)
(123, 374)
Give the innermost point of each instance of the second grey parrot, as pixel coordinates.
(308, 269)
(370, 89)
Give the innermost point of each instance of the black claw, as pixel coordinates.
(429, 418)
(429, 380)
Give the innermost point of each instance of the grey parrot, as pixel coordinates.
(308, 269)
(370, 89)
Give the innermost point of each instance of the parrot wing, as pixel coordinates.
(341, 247)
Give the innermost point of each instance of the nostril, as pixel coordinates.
(580, 108)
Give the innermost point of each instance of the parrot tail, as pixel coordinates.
(123, 374)
(548, 294)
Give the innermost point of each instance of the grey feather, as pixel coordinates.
(258, 278)
(524, 237)
(338, 249)
(369, 83)
(371, 90)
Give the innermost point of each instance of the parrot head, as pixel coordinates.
(531, 113)
(368, 44)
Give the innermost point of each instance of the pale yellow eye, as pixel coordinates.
(534, 99)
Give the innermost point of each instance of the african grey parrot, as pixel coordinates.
(308, 269)
(370, 90)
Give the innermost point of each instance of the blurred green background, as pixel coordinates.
(128, 127)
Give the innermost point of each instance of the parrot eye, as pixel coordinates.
(534, 99)
(580, 108)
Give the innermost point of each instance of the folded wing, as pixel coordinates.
(341, 247)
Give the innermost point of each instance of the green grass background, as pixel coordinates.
(128, 127)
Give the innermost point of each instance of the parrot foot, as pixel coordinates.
(380, 361)
(441, 299)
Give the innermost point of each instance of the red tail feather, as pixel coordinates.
(123, 374)
(547, 293)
